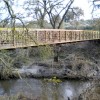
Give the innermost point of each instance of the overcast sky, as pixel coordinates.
(83, 4)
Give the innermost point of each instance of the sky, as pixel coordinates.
(86, 6)
(83, 4)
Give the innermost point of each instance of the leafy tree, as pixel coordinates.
(73, 17)
(74, 14)
(96, 24)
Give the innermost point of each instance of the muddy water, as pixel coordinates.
(37, 88)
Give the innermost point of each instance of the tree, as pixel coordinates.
(74, 14)
(96, 3)
(96, 14)
(47, 9)
(35, 9)
(73, 17)
(96, 7)
(96, 24)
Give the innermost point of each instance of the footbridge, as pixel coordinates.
(34, 37)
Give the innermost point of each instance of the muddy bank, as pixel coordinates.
(91, 93)
(80, 60)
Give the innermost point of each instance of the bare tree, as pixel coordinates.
(47, 9)
(36, 9)
(95, 5)
(54, 8)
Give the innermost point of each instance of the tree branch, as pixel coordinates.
(69, 5)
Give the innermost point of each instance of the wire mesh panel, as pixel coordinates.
(98, 36)
(95, 35)
(68, 36)
(55, 36)
(41, 36)
(6, 38)
(62, 35)
(75, 36)
(48, 36)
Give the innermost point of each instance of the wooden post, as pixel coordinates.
(13, 34)
(45, 36)
(79, 35)
(83, 35)
(36, 34)
(57, 49)
(65, 35)
(59, 36)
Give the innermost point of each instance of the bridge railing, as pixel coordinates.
(35, 37)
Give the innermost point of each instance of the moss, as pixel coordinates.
(53, 79)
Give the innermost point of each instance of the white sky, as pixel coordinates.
(84, 5)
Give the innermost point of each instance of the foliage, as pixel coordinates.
(6, 64)
(96, 24)
(21, 58)
(9, 60)
(74, 14)
(54, 80)
(45, 52)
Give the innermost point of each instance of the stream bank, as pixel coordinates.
(80, 60)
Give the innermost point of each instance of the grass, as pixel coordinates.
(10, 60)
(1, 29)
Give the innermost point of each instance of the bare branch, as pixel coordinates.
(69, 5)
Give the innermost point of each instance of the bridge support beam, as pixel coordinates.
(57, 48)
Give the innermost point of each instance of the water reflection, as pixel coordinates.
(66, 90)
(5, 86)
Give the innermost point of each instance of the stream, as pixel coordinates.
(38, 88)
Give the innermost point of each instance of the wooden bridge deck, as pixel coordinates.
(19, 38)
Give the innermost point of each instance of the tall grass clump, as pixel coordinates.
(10, 60)
(6, 64)
(45, 52)
(21, 58)
(41, 52)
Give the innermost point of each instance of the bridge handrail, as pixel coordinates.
(34, 37)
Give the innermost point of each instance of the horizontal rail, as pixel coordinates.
(36, 37)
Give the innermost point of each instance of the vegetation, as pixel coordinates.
(10, 60)
(44, 14)
(18, 96)
(53, 79)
